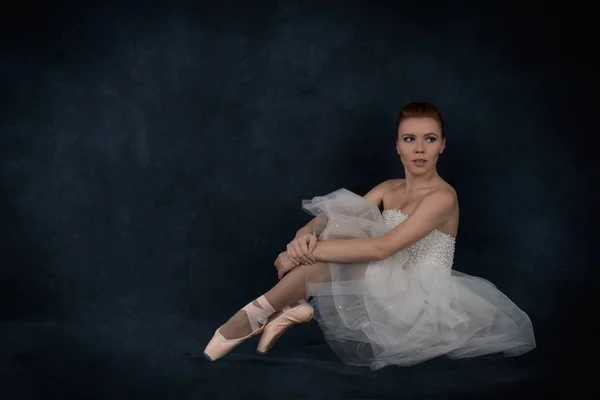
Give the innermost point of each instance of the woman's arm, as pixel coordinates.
(432, 211)
(308, 228)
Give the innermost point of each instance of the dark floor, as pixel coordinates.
(162, 359)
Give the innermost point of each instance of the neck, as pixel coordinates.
(416, 182)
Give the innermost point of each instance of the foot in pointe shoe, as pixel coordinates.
(220, 346)
(290, 316)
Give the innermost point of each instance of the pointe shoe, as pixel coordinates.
(219, 346)
(289, 317)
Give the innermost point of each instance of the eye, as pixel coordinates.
(408, 139)
(431, 139)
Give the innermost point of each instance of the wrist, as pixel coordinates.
(303, 231)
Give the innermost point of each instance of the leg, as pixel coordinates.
(293, 285)
(290, 289)
(261, 316)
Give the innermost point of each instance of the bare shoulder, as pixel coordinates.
(446, 192)
(443, 199)
(377, 194)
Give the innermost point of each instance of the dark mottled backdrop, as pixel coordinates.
(154, 158)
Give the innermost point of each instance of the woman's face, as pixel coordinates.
(419, 144)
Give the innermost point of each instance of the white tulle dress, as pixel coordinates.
(412, 306)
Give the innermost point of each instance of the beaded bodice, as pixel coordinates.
(436, 248)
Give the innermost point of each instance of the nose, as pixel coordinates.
(419, 147)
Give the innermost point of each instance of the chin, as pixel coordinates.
(419, 171)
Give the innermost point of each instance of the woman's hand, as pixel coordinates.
(284, 264)
(300, 249)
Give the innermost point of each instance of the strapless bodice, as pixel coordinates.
(436, 248)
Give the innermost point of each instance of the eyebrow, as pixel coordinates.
(413, 134)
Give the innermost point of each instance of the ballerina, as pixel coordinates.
(378, 270)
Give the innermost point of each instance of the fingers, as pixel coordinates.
(296, 253)
(292, 254)
(302, 251)
(306, 254)
(305, 249)
(310, 243)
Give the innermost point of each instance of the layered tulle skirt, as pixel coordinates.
(399, 312)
